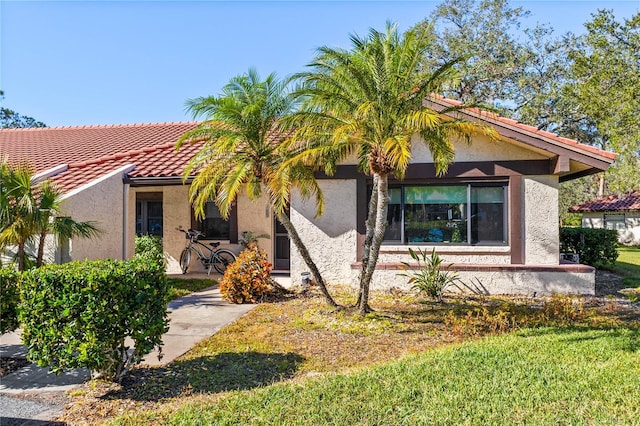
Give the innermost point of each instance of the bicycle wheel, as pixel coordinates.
(222, 259)
(185, 259)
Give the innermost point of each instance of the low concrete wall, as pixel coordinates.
(491, 279)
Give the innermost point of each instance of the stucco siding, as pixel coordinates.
(102, 202)
(176, 212)
(629, 236)
(540, 216)
(480, 149)
(593, 220)
(450, 254)
(256, 217)
(499, 282)
(331, 238)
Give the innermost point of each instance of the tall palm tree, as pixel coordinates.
(31, 211)
(369, 101)
(242, 141)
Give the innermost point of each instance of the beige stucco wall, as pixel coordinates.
(100, 201)
(257, 217)
(540, 216)
(331, 238)
(176, 212)
(481, 149)
(484, 255)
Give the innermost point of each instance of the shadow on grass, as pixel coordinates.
(209, 374)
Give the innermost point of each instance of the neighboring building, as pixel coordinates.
(619, 212)
(494, 214)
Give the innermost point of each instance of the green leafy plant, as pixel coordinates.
(9, 299)
(596, 247)
(150, 247)
(432, 278)
(248, 279)
(249, 237)
(79, 314)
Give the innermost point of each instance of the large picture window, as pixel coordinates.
(447, 214)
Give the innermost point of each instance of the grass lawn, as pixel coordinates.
(469, 360)
(628, 265)
(179, 287)
(544, 376)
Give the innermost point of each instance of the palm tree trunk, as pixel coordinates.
(41, 242)
(302, 249)
(21, 256)
(376, 241)
(370, 225)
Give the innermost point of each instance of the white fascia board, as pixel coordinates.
(121, 170)
(46, 174)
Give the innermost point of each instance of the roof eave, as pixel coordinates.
(597, 162)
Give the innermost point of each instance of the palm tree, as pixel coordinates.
(31, 211)
(19, 210)
(242, 149)
(369, 101)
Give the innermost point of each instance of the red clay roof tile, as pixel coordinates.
(628, 202)
(47, 147)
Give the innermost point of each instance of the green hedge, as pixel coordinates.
(596, 247)
(78, 314)
(9, 299)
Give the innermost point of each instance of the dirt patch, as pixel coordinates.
(608, 283)
(9, 365)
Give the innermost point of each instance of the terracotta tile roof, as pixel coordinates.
(628, 202)
(156, 161)
(570, 143)
(48, 147)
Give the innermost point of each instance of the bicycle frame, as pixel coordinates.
(210, 257)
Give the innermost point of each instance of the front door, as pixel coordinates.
(282, 247)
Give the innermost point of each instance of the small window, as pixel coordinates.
(615, 221)
(149, 213)
(213, 226)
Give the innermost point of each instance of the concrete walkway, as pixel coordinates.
(192, 318)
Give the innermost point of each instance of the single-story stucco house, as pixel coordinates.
(619, 212)
(494, 214)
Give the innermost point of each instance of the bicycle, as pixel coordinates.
(217, 258)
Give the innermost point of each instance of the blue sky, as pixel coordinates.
(116, 62)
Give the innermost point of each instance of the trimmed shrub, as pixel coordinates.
(596, 247)
(78, 314)
(248, 279)
(9, 299)
(150, 247)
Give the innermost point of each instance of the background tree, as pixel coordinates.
(368, 101)
(559, 83)
(606, 88)
(12, 120)
(242, 149)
